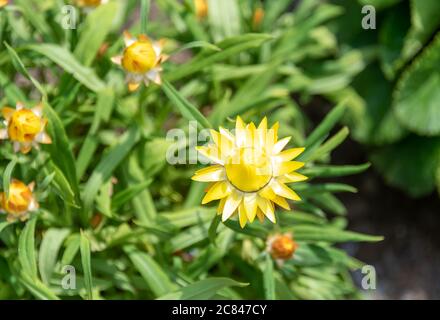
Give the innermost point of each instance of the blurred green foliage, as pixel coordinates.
(112, 207)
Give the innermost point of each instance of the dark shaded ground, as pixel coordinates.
(407, 262)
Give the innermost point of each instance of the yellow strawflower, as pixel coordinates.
(3, 3)
(250, 171)
(19, 202)
(141, 60)
(24, 127)
(201, 7)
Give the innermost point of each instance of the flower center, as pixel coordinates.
(24, 125)
(139, 57)
(248, 169)
(20, 197)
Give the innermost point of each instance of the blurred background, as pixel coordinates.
(397, 196)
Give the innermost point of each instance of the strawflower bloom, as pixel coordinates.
(250, 171)
(90, 3)
(24, 127)
(257, 17)
(281, 247)
(3, 3)
(201, 7)
(19, 202)
(141, 60)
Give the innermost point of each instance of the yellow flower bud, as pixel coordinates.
(24, 125)
(89, 3)
(19, 202)
(201, 8)
(282, 247)
(139, 57)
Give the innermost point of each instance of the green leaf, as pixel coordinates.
(198, 44)
(202, 290)
(145, 13)
(4, 224)
(413, 170)
(47, 257)
(417, 96)
(152, 273)
(334, 171)
(86, 265)
(72, 248)
(224, 18)
(188, 111)
(424, 22)
(268, 279)
(328, 146)
(326, 125)
(19, 66)
(122, 197)
(70, 64)
(59, 149)
(106, 167)
(230, 47)
(329, 234)
(26, 249)
(95, 29)
(37, 288)
(7, 175)
(212, 232)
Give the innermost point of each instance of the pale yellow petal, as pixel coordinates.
(267, 193)
(267, 207)
(242, 215)
(210, 152)
(286, 167)
(7, 112)
(117, 60)
(279, 146)
(292, 177)
(260, 215)
(250, 205)
(209, 174)
(231, 204)
(284, 191)
(288, 155)
(218, 191)
(281, 202)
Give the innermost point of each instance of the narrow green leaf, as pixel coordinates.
(145, 13)
(329, 234)
(334, 171)
(7, 175)
(106, 167)
(202, 290)
(212, 232)
(86, 265)
(37, 288)
(268, 279)
(94, 31)
(48, 254)
(26, 249)
(70, 64)
(59, 149)
(326, 125)
(154, 276)
(121, 198)
(188, 111)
